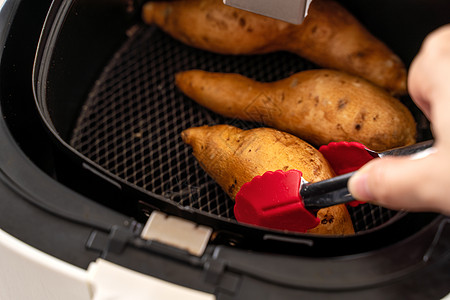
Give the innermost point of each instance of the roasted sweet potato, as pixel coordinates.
(232, 157)
(319, 106)
(329, 36)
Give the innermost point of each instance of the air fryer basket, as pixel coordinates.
(128, 128)
(131, 122)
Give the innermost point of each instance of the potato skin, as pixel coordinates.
(319, 106)
(225, 150)
(329, 36)
(232, 157)
(333, 220)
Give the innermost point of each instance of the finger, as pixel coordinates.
(416, 86)
(399, 183)
(427, 78)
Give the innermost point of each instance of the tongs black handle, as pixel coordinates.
(326, 193)
(334, 191)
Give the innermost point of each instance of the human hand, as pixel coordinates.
(421, 184)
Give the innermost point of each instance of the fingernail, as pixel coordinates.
(359, 188)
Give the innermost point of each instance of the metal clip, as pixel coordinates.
(177, 232)
(292, 11)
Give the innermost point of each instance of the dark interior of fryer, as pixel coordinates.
(110, 95)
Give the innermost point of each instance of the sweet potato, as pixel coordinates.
(319, 106)
(232, 157)
(329, 36)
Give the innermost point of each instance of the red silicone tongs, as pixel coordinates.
(285, 201)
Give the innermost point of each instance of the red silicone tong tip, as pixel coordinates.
(272, 200)
(346, 157)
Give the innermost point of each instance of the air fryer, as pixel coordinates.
(91, 102)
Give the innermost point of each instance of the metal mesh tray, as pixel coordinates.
(131, 121)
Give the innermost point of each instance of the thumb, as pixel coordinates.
(395, 182)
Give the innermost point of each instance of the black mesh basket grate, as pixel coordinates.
(131, 122)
